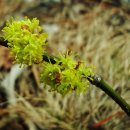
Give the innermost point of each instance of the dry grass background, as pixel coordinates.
(100, 34)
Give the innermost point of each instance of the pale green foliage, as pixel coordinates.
(67, 75)
(26, 40)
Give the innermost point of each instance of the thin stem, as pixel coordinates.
(49, 58)
(3, 42)
(100, 83)
(95, 80)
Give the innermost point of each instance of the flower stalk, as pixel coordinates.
(100, 83)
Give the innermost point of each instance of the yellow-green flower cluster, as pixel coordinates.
(67, 75)
(26, 40)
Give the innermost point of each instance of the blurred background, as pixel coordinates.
(99, 31)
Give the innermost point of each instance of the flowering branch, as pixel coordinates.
(95, 80)
(26, 40)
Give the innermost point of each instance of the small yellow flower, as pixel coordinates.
(26, 40)
(67, 75)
